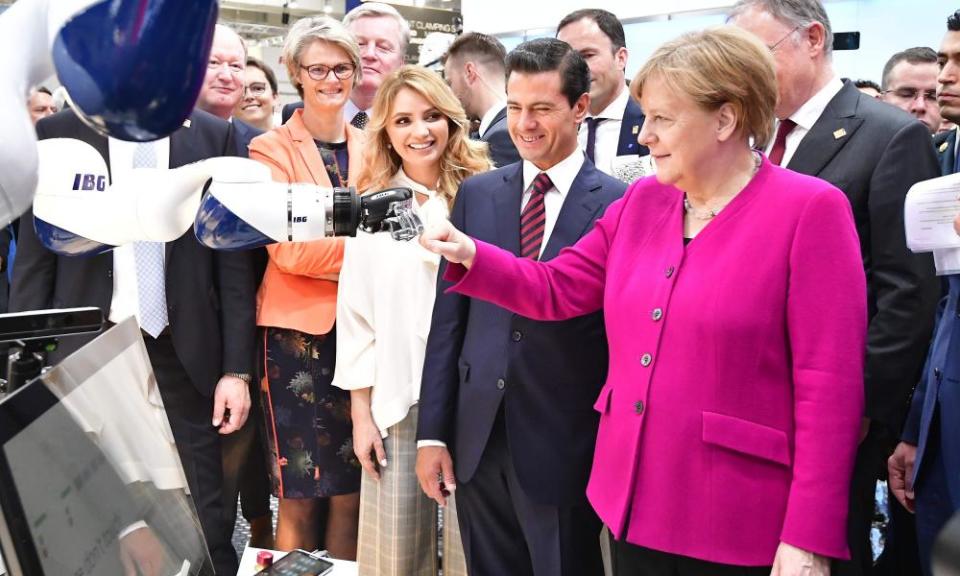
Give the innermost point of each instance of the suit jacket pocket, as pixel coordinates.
(602, 405)
(746, 437)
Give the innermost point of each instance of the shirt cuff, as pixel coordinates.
(131, 529)
(427, 443)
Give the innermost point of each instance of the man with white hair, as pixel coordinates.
(874, 153)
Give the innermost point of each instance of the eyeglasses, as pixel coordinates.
(910, 94)
(777, 44)
(318, 72)
(256, 89)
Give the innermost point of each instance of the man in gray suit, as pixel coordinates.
(474, 68)
(874, 153)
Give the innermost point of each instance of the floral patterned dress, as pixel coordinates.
(308, 428)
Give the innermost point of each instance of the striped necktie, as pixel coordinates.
(534, 217)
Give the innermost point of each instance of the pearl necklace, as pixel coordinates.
(711, 213)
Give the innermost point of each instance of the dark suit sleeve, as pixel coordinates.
(441, 375)
(905, 287)
(237, 286)
(911, 428)
(35, 271)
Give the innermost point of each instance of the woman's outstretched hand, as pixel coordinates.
(452, 244)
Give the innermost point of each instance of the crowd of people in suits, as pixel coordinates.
(701, 372)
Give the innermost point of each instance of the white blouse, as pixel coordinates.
(384, 306)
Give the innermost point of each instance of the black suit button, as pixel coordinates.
(501, 384)
(516, 336)
(937, 373)
(638, 407)
(109, 273)
(669, 271)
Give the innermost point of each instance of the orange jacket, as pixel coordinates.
(299, 288)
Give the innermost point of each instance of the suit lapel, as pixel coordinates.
(831, 133)
(506, 208)
(579, 207)
(630, 130)
(181, 152)
(947, 152)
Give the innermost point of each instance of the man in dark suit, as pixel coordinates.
(195, 306)
(474, 69)
(925, 468)
(504, 398)
(244, 464)
(609, 133)
(874, 153)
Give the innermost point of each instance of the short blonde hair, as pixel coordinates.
(381, 10)
(308, 30)
(723, 65)
(462, 158)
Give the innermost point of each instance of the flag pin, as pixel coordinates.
(944, 146)
(838, 134)
(636, 130)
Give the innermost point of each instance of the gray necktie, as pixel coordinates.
(151, 292)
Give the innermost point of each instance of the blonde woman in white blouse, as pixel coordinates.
(417, 138)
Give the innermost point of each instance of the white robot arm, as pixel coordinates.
(233, 204)
(133, 69)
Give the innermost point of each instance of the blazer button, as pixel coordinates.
(937, 373)
(656, 314)
(516, 336)
(501, 384)
(669, 271)
(638, 407)
(109, 273)
(646, 359)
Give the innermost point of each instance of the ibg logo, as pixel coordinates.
(89, 182)
(299, 219)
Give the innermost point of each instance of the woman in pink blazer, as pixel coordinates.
(735, 304)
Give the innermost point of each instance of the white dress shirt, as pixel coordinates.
(487, 119)
(806, 116)
(384, 307)
(125, 301)
(608, 133)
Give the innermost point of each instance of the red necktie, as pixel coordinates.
(780, 142)
(534, 217)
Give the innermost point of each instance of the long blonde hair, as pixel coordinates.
(462, 158)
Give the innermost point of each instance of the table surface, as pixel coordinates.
(248, 563)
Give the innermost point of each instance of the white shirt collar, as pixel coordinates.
(615, 109)
(562, 174)
(350, 110)
(401, 179)
(487, 119)
(808, 114)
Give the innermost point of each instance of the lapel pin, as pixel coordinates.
(838, 134)
(944, 146)
(636, 130)
(186, 123)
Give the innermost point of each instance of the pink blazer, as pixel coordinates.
(730, 416)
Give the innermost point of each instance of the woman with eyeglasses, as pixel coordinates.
(260, 96)
(418, 139)
(309, 432)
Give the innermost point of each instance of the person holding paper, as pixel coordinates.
(924, 470)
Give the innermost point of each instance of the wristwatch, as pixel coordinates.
(245, 377)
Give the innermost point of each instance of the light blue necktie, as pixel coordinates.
(151, 292)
